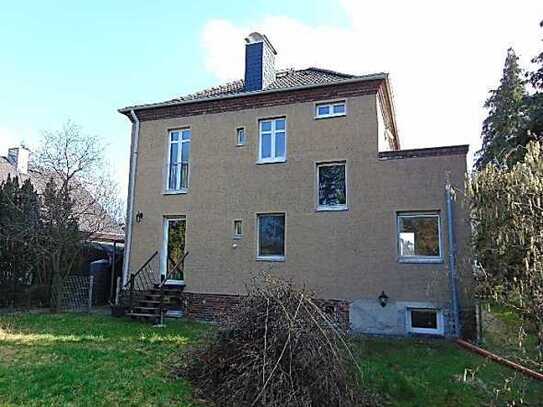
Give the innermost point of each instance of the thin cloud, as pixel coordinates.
(443, 58)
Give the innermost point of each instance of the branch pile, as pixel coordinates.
(277, 349)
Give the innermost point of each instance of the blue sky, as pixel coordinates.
(83, 60)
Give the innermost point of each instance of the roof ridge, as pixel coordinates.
(286, 78)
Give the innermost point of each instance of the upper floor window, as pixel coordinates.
(241, 137)
(332, 189)
(419, 237)
(330, 109)
(178, 160)
(273, 140)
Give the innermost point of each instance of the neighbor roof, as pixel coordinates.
(285, 80)
(39, 181)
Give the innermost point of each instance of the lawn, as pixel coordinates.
(92, 360)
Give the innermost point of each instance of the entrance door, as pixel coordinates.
(173, 247)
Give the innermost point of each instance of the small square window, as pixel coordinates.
(332, 190)
(425, 321)
(419, 237)
(241, 137)
(238, 228)
(333, 109)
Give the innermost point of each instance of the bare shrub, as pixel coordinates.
(277, 349)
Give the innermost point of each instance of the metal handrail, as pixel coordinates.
(149, 260)
(180, 265)
(132, 281)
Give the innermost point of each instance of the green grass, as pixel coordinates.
(501, 335)
(91, 360)
(81, 360)
(439, 373)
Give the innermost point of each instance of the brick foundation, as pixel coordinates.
(213, 307)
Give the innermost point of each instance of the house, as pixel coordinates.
(300, 174)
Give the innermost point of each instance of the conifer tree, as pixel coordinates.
(535, 101)
(504, 131)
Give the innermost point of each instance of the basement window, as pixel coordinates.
(425, 321)
(419, 237)
(330, 109)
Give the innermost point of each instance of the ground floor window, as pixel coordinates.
(419, 237)
(425, 321)
(271, 236)
(173, 247)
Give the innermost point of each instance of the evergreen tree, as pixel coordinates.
(535, 101)
(19, 230)
(504, 131)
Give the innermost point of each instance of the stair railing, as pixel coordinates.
(179, 267)
(141, 280)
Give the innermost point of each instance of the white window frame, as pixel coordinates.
(234, 232)
(325, 208)
(440, 330)
(273, 158)
(257, 223)
(238, 142)
(180, 142)
(330, 109)
(415, 258)
(164, 250)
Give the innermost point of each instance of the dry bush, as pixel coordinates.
(277, 349)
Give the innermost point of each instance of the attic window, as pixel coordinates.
(330, 109)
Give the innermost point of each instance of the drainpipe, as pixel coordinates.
(131, 192)
(453, 277)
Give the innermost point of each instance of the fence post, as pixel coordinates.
(131, 301)
(91, 284)
(117, 290)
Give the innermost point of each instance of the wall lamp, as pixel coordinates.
(383, 299)
(139, 216)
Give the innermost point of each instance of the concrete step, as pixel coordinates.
(141, 315)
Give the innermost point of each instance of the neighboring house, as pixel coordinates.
(17, 164)
(299, 173)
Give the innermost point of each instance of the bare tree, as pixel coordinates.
(79, 200)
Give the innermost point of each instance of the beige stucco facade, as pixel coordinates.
(346, 255)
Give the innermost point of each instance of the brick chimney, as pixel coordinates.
(259, 62)
(19, 157)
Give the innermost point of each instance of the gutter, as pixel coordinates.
(131, 193)
(130, 109)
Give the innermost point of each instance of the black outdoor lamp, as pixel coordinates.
(383, 299)
(139, 217)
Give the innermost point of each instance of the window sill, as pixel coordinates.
(420, 260)
(271, 258)
(331, 116)
(260, 162)
(237, 237)
(425, 332)
(180, 192)
(332, 209)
